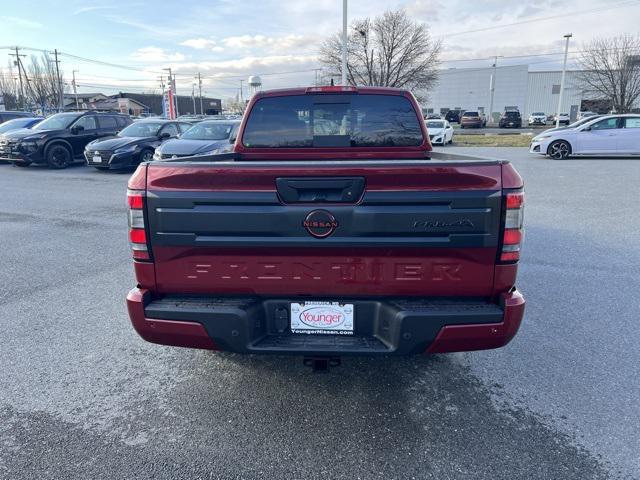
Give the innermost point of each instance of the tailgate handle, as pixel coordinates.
(320, 190)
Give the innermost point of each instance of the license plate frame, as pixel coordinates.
(322, 318)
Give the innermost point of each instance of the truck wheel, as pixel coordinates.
(58, 156)
(559, 150)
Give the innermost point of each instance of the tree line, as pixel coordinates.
(40, 89)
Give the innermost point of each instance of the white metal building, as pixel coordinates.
(515, 86)
(543, 89)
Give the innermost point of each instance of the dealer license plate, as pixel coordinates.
(322, 318)
(97, 159)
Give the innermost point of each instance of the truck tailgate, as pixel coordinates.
(410, 228)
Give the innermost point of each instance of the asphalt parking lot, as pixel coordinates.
(82, 396)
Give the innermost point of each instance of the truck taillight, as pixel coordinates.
(513, 227)
(137, 232)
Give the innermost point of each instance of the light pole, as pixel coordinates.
(344, 43)
(193, 97)
(172, 89)
(200, 92)
(492, 86)
(564, 71)
(75, 88)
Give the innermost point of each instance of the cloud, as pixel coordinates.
(252, 64)
(154, 30)
(20, 22)
(286, 42)
(155, 54)
(93, 9)
(202, 43)
(426, 10)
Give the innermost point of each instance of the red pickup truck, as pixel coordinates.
(332, 229)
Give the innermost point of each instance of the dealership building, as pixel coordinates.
(139, 103)
(515, 86)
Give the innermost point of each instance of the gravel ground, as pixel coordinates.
(83, 397)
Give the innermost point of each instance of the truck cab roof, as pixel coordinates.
(331, 89)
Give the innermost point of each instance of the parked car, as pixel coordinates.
(193, 118)
(440, 132)
(60, 139)
(586, 114)
(135, 144)
(433, 116)
(354, 242)
(6, 115)
(472, 119)
(573, 125)
(610, 135)
(452, 116)
(18, 123)
(510, 119)
(565, 119)
(537, 118)
(205, 138)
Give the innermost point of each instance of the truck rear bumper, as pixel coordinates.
(387, 327)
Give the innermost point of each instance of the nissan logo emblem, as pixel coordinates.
(320, 223)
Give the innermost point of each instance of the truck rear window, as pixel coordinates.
(325, 120)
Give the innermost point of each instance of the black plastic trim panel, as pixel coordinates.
(381, 326)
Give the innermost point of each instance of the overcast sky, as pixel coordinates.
(230, 40)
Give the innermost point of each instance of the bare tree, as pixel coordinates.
(9, 87)
(392, 50)
(40, 83)
(44, 89)
(610, 68)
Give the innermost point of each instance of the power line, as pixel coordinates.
(107, 64)
(529, 55)
(57, 62)
(18, 63)
(229, 79)
(541, 19)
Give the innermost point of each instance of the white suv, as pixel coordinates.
(537, 118)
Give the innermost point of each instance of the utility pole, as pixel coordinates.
(193, 97)
(60, 89)
(175, 94)
(564, 70)
(492, 87)
(241, 99)
(344, 42)
(200, 92)
(17, 64)
(75, 88)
